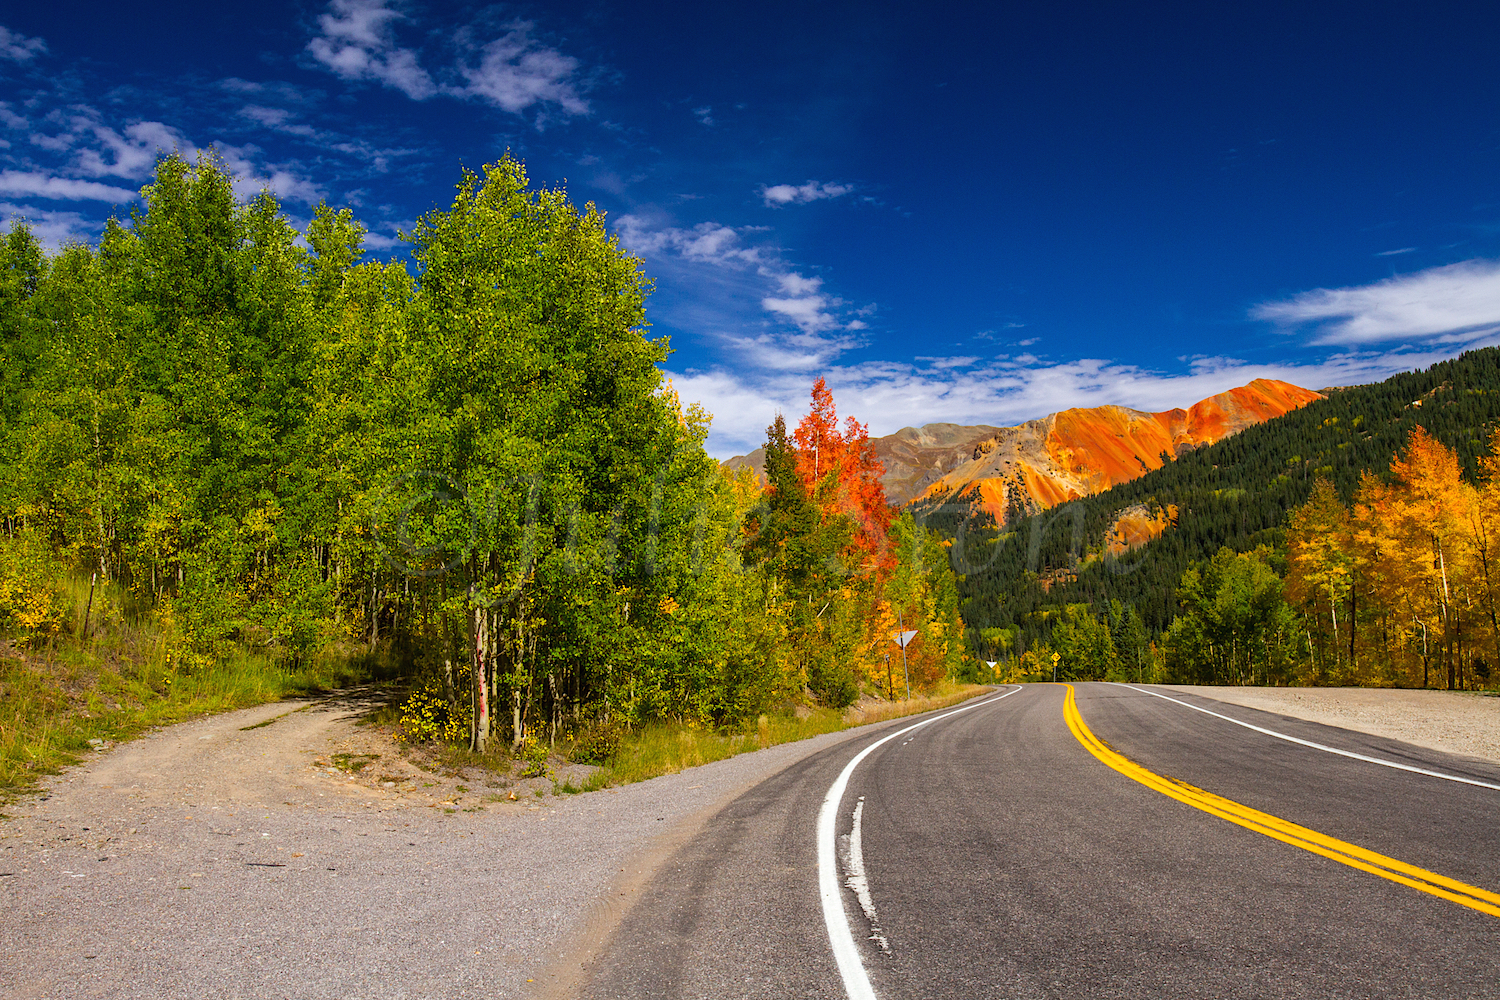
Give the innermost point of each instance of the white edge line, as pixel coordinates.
(859, 883)
(1319, 746)
(845, 951)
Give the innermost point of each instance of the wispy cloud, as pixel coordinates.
(1396, 253)
(1001, 392)
(278, 120)
(287, 122)
(804, 327)
(35, 184)
(1457, 303)
(708, 242)
(514, 72)
(777, 195)
(358, 42)
(52, 229)
(252, 175)
(132, 154)
(16, 47)
(801, 303)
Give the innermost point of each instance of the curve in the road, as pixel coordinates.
(1279, 829)
(841, 940)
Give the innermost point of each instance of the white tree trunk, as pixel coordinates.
(479, 729)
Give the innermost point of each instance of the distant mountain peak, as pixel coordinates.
(1064, 455)
(1080, 451)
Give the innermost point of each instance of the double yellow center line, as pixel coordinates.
(1282, 830)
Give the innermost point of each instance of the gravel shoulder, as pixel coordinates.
(1458, 722)
(230, 859)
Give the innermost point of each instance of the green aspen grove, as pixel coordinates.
(468, 460)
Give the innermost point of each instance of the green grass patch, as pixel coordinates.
(354, 762)
(669, 748)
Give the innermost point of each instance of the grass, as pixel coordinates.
(669, 748)
(119, 683)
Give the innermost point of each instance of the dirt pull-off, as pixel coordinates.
(285, 851)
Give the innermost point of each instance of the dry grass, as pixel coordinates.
(670, 748)
(947, 693)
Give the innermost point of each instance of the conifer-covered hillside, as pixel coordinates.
(1236, 494)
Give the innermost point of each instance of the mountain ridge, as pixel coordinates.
(1061, 456)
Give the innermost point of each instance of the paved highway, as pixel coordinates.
(1097, 841)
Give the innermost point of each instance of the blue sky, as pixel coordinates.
(968, 213)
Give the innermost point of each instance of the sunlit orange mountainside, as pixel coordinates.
(1064, 455)
(1077, 452)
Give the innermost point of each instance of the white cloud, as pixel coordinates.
(52, 143)
(515, 72)
(277, 119)
(16, 47)
(9, 118)
(285, 122)
(358, 43)
(1457, 303)
(802, 304)
(776, 195)
(379, 241)
(133, 154)
(890, 395)
(52, 229)
(705, 115)
(794, 284)
(250, 179)
(707, 242)
(941, 363)
(40, 185)
(699, 258)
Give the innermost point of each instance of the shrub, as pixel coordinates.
(595, 743)
(427, 717)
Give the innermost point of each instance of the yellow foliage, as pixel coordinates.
(30, 605)
(426, 717)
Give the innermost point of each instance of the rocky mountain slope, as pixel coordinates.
(1079, 452)
(1064, 455)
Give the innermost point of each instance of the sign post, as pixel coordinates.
(902, 638)
(1055, 658)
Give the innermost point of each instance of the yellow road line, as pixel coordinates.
(1287, 832)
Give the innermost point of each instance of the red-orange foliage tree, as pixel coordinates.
(842, 475)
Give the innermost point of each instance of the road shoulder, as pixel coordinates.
(1466, 723)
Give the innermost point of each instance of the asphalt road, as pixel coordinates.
(1004, 859)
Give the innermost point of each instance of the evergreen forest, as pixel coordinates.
(1230, 592)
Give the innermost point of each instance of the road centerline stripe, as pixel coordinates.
(840, 938)
(1280, 829)
(1318, 746)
